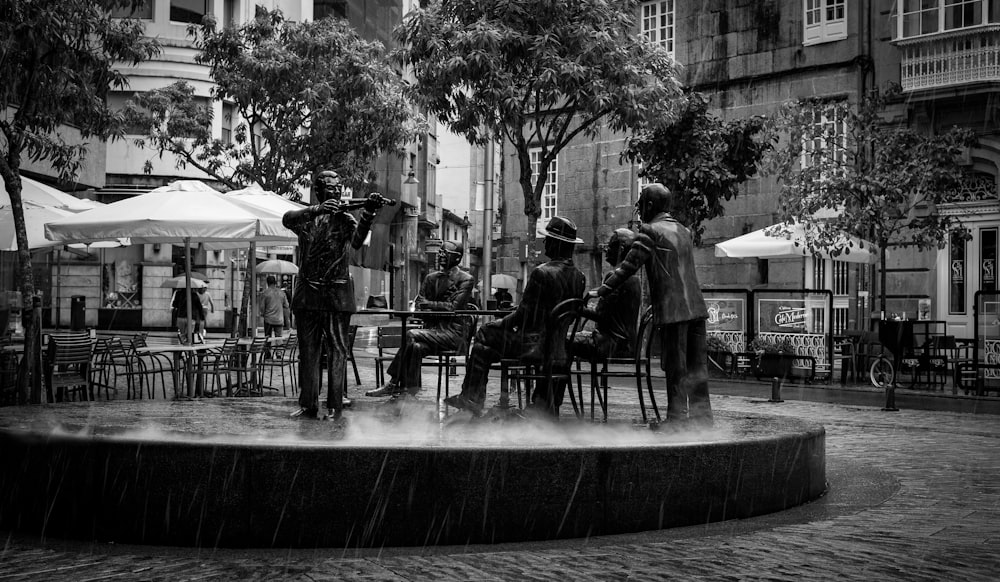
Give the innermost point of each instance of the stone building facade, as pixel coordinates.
(749, 57)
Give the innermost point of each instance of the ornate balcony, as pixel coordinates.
(950, 59)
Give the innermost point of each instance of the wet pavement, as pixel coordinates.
(913, 495)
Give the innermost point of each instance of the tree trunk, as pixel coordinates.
(244, 318)
(881, 280)
(12, 179)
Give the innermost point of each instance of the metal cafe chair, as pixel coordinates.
(448, 360)
(551, 363)
(636, 366)
(67, 360)
(388, 340)
(284, 355)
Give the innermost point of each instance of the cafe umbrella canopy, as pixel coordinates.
(185, 211)
(791, 240)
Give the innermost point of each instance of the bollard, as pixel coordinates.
(890, 398)
(775, 390)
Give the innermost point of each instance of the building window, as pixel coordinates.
(819, 274)
(190, 11)
(828, 138)
(825, 21)
(657, 23)
(920, 17)
(331, 8)
(988, 259)
(956, 277)
(550, 193)
(228, 112)
(229, 16)
(841, 278)
(116, 102)
(143, 10)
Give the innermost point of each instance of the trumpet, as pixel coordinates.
(356, 203)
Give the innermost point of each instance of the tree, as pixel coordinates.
(57, 64)
(701, 157)
(844, 169)
(310, 95)
(537, 73)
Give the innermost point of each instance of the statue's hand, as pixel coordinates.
(330, 206)
(592, 294)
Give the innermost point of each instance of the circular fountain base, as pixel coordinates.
(240, 473)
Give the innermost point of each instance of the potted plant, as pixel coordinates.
(772, 359)
(720, 356)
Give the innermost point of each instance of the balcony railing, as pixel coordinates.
(951, 59)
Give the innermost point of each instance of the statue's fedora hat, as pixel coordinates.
(562, 229)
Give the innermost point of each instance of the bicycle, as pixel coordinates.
(882, 373)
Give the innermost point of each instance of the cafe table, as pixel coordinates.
(178, 352)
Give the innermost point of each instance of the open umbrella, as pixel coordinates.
(35, 217)
(38, 193)
(181, 212)
(500, 280)
(180, 282)
(278, 267)
(783, 241)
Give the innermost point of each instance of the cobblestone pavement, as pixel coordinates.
(914, 495)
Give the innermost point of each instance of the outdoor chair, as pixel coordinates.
(213, 363)
(112, 362)
(67, 362)
(388, 340)
(450, 360)
(351, 336)
(150, 365)
(550, 363)
(245, 364)
(636, 366)
(284, 355)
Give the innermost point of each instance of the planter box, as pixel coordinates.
(773, 365)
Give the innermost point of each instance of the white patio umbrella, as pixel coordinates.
(278, 267)
(181, 212)
(38, 193)
(182, 281)
(782, 241)
(35, 217)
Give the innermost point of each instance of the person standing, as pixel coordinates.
(207, 306)
(447, 289)
(521, 332)
(187, 324)
(323, 299)
(273, 308)
(665, 248)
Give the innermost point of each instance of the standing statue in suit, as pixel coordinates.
(521, 332)
(323, 300)
(666, 248)
(447, 289)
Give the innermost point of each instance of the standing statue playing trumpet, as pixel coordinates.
(323, 300)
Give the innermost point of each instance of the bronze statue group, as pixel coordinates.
(323, 302)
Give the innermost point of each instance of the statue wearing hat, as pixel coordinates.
(323, 300)
(616, 314)
(521, 332)
(445, 290)
(666, 248)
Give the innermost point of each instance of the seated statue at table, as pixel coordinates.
(616, 315)
(445, 290)
(521, 333)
